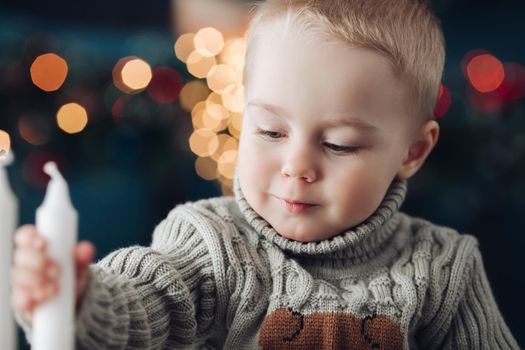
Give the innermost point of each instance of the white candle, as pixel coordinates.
(56, 220)
(8, 223)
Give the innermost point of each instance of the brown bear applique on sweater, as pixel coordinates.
(287, 329)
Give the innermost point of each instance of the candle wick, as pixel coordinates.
(51, 169)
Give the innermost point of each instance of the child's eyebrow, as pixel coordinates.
(336, 119)
(270, 108)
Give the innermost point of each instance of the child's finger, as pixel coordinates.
(30, 259)
(27, 236)
(44, 293)
(84, 254)
(24, 235)
(22, 277)
(25, 277)
(20, 300)
(81, 283)
(24, 300)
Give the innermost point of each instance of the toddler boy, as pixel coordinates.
(313, 251)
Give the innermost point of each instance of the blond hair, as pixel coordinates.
(405, 31)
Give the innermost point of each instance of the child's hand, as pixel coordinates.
(34, 276)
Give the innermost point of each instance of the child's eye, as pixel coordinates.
(270, 134)
(341, 149)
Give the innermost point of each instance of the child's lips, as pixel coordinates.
(296, 207)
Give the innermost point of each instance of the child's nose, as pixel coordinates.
(301, 165)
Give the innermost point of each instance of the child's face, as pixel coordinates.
(298, 139)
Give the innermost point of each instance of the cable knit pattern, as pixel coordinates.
(218, 276)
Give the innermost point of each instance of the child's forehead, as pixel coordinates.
(291, 66)
(319, 63)
(280, 35)
(280, 25)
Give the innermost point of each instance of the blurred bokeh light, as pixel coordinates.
(220, 77)
(192, 93)
(485, 72)
(184, 46)
(225, 143)
(72, 118)
(513, 86)
(34, 129)
(444, 102)
(206, 168)
(165, 86)
(5, 142)
(208, 42)
(199, 65)
(49, 71)
(233, 97)
(226, 164)
(233, 53)
(132, 74)
(203, 142)
(235, 125)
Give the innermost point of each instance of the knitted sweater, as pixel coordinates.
(218, 276)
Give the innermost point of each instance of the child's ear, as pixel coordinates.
(419, 149)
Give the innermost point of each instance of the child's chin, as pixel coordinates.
(304, 237)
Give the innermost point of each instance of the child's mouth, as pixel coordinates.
(296, 207)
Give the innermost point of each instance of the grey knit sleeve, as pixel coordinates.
(478, 323)
(155, 297)
(460, 311)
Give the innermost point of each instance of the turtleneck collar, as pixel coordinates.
(364, 239)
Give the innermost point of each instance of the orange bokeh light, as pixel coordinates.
(206, 168)
(192, 93)
(485, 72)
(131, 75)
(5, 143)
(49, 72)
(203, 142)
(72, 118)
(184, 46)
(208, 42)
(227, 163)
